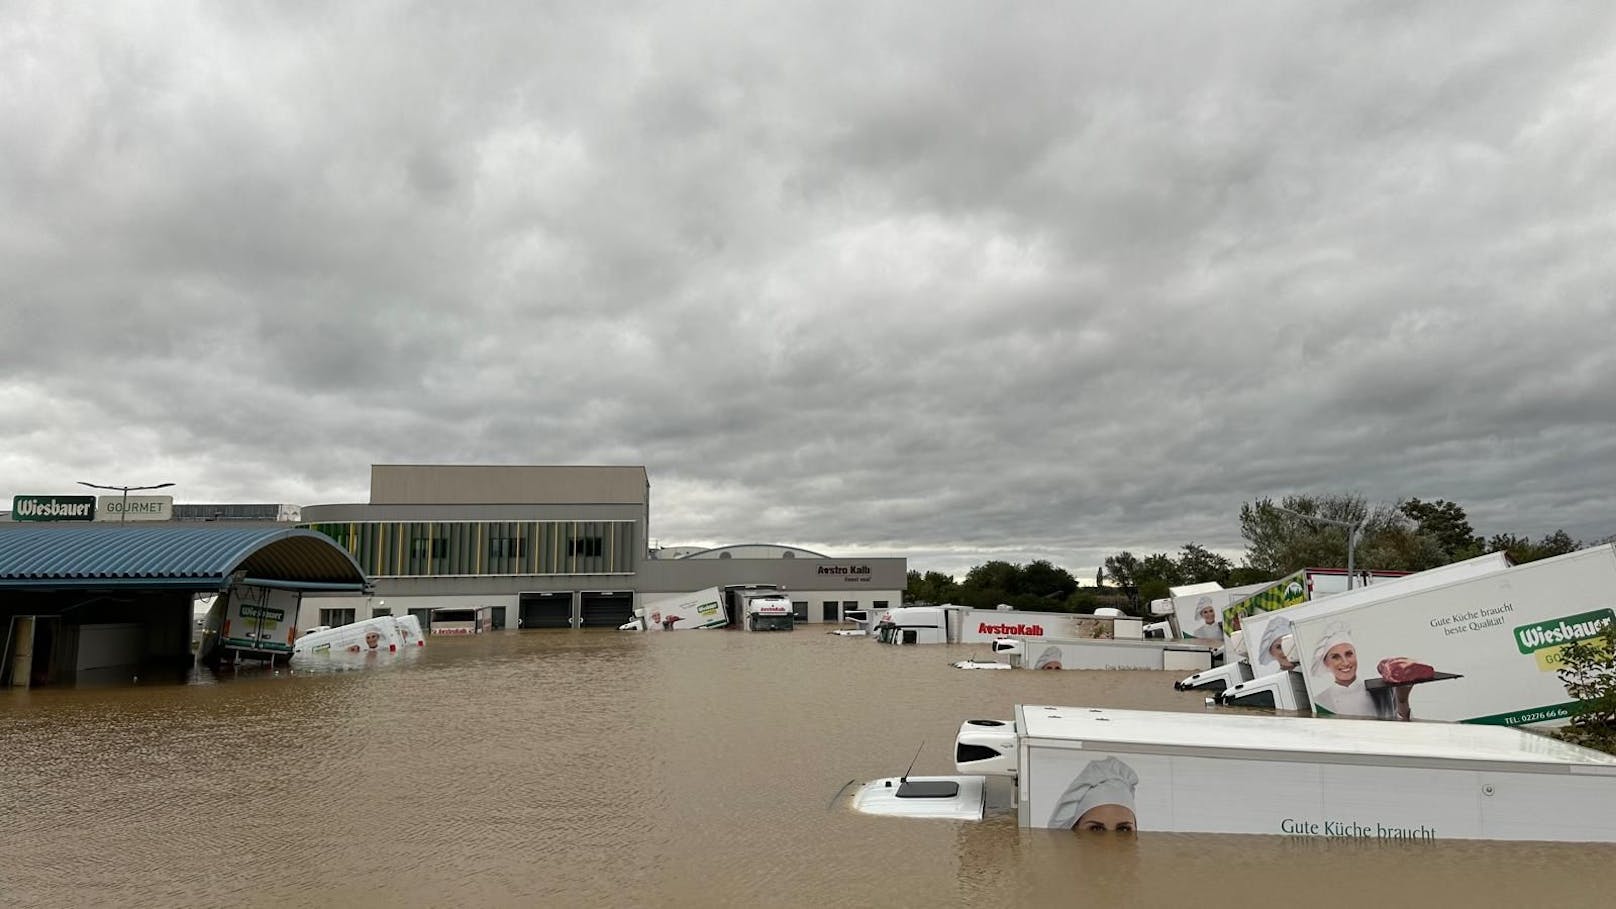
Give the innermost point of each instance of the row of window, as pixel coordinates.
(830, 611)
(458, 548)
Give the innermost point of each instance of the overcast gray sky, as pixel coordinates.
(954, 281)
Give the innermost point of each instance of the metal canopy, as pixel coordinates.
(199, 558)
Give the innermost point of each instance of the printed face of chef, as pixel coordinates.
(1278, 653)
(372, 638)
(1342, 661)
(1209, 615)
(1101, 818)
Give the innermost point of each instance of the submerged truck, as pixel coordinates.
(1480, 650)
(1104, 639)
(1266, 677)
(754, 607)
(1092, 770)
(250, 622)
(765, 610)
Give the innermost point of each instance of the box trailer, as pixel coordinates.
(1481, 650)
(1095, 770)
(680, 612)
(1271, 680)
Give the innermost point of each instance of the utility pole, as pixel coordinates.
(1354, 534)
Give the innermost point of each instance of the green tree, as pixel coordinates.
(1123, 569)
(1280, 542)
(1521, 549)
(932, 587)
(1196, 565)
(996, 575)
(1588, 669)
(1446, 524)
(1046, 580)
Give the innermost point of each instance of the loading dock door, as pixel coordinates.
(606, 610)
(547, 610)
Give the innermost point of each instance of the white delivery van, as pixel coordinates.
(461, 620)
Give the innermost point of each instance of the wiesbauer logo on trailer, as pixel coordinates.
(1553, 633)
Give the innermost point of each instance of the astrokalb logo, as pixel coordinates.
(1028, 630)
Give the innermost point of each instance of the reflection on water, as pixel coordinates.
(603, 769)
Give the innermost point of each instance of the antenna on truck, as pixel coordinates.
(905, 777)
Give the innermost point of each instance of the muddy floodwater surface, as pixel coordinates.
(614, 769)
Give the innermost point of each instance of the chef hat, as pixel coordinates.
(1206, 603)
(1334, 633)
(1107, 781)
(1277, 628)
(1049, 654)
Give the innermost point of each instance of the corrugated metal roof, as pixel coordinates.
(199, 557)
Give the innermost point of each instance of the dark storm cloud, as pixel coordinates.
(944, 280)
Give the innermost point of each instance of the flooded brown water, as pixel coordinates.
(602, 769)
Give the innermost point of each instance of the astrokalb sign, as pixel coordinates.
(852, 574)
(53, 508)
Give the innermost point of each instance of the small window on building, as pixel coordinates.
(589, 547)
(424, 616)
(880, 604)
(335, 617)
(828, 612)
(496, 617)
(507, 547)
(799, 610)
(439, 547)
(379, 611)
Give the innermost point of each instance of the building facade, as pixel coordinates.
(554, 547)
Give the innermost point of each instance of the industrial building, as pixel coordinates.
(554, 547)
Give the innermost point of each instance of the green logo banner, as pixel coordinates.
(1288, 591)
(53, 508)
(1555, 632)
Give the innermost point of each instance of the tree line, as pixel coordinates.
(1281, 537)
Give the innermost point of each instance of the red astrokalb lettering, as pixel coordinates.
(1028, 630)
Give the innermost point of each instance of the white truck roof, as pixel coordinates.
(1321, 740)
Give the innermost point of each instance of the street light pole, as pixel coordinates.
(124, 514)
(1354, 534)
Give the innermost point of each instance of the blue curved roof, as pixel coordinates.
(201, 558)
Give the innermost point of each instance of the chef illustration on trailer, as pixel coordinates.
(1209, 629)
(1099, 799)
(1344, 692)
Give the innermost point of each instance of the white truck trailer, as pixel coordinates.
(1042, 640)
(680, 612)
(1093, 770)
(1269, 676)
(1481, 650)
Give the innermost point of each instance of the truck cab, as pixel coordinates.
(769, 612)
